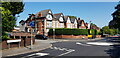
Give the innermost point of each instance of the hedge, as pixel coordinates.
(68, 31)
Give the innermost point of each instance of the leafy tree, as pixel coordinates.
(106, 30)
(72, 16)
(115, 23)
(9, 10)
(93, 24)
(14, 7)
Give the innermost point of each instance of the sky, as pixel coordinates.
(70, 0)
(98, 13)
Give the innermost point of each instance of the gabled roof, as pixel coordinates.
(43, 13)
(72, 19)
(86, 24)
(21, 21)
(57, 16)
(65, 18)
(80, 21)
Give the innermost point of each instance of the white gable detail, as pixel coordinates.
(75, 22)
(82, 24)
(61, 14)
(61, 19)
(49, 17)
(68, 20)
(49, 12)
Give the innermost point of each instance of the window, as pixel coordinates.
(68, 25)
(49, 24)
(60, 25)
(49, 17)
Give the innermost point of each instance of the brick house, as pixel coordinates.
(67, 22)
(43, 21)
(73, 22)
(81, 24)
(22, 25)
(59, 19)
(94, 27)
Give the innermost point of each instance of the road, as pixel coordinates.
(107, 47)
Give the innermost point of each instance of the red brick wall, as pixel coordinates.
(4, 44)
(70, 36)
(23, 43)
(98, 36)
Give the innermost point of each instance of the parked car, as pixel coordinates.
(116, 35)
(43, 37)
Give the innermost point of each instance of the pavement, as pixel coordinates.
(38, 46)
(60, 40)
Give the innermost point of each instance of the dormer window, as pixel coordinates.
(49, 17)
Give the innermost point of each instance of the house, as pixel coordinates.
(59, 18)
(42, 21)
(67, 22)
(87, 25)
(22, 25)
(73, 22)
(81, 24)
(95, 27)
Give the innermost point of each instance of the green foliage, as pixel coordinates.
(93, 24)
(8, 11)
(68, 31)
(50, 32)
(92, 31)
(14, 7)
(115, 23)
(107, 30)
(72, 16)
(5, 36)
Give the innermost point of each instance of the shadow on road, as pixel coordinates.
(114, 51)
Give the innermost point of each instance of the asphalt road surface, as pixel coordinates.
(105, 48)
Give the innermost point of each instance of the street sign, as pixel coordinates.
(32, 24)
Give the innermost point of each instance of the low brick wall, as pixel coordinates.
(69, 36)
(98, 36)
(24, 42)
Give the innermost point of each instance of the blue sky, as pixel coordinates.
(97, 12)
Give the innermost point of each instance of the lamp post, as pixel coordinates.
(35, 23)
(31, 31)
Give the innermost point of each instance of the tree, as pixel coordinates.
(72, 16)
(14, 7)
(9, 10)
(93, 24)
(105, 30)
(115, 23)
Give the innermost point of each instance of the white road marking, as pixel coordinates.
(100, 43)
(66, 53)
(39, 54)
(55, 48)
(63, 49)
(82, 44)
